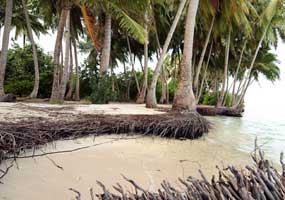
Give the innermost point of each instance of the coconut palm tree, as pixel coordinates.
(77, 84)
(272, 12)
(235, 15)
(55, 95)
(151, 97)
(5, 43)
(206, 15)
(142, 94)
(34, 93)
(70, 76)
(66, 58)
(184, 97)
(105, 57)
(118, 11)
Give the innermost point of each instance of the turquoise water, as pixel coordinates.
(240, 133)
(264, 116)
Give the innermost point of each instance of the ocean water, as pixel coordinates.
(264, 116)
(267, 126)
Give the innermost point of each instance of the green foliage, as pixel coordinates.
(20, 88)
(172, 87)
(19, 76)
(102, 91)
(89, 74)
(210, 98)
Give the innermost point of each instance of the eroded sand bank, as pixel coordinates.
(13, 112)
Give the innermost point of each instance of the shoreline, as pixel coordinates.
(147, 160)
(29, 126)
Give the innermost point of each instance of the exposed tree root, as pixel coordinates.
(224, 111)
(17, 137)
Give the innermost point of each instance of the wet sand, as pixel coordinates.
(144, 159)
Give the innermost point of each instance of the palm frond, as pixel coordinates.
(126, 22)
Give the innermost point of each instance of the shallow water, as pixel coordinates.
(267, 127)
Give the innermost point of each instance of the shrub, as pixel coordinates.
(19, 76)
(102, 90)
(20, 88)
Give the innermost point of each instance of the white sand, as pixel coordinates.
(13, 112)
(147, 160)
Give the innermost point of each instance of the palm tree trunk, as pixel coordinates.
(24, 40)
(205, 75)
(184, 98)
(141, 98)
(105, 57)
(57, 51)
(70, 83)
(77, 85)
(163, 98)
(66, 59)
(5, 43)
(241, 99)
(176, 69)
(255, 56)
(236, 73)
(133, 65)
(196, 80)
(34, 93)
(227, 52)
(151, 96)
(164, 86)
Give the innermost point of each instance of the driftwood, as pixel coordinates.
(260, 182)
(17, 137)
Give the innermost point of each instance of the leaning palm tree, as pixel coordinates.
(34, 93)
(5, 43)
(267, 25)
(151, 97)
(184, 97)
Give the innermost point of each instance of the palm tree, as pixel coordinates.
(184, 97)
(77, 84)
(266, 22)
(205, 46)
(70, 84)
(55, 95)
(66, 58)
(118, 11)
(5, 43)
(151, 96)
(34, 93)
(105, 57)
(141, 97)
(237, 72)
